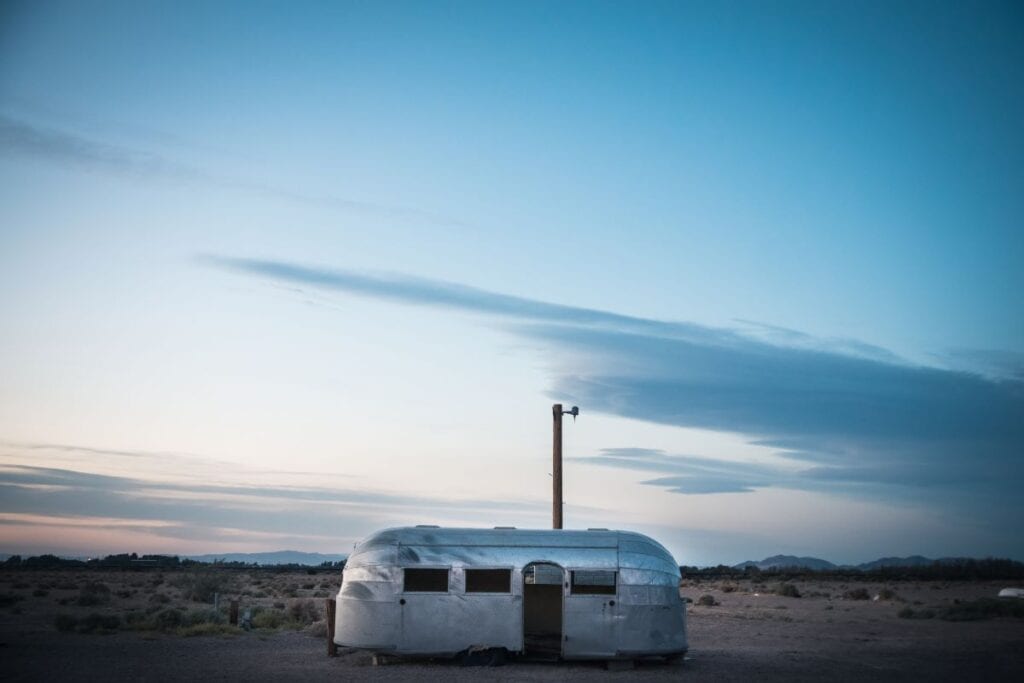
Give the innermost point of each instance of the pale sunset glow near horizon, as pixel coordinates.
(276, 275)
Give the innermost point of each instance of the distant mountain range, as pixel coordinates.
(816, 563)
(776, 561)
(276, 557)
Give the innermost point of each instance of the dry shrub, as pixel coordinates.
(707, 600)
(303, 612)
(209, 630)
(857, 594)
(65, 623)
(318, 629)
(270, 619)
(201, 586)
(99, 623)
(8, 599)
(984, 608)
(94, 623)
(787, 590)
(93, 593)
(728, 588)
(167, 620)
(202, 616)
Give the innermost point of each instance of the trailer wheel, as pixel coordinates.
(491, 656)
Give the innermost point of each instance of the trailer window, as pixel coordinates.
(591, 582)
(488, 580)
(425, 580)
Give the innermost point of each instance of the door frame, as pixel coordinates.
(561, 607)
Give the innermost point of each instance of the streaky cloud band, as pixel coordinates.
(854, 417)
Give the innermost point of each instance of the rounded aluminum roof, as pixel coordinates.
(468, 546)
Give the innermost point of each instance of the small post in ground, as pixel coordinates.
(332, 648)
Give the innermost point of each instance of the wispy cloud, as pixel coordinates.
(690, 474)
(181, 511)
(856, 417)
(20, 138)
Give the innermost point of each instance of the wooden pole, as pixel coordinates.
(556, 468)
(233, 613)
(332, 649)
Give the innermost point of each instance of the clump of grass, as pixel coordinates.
(40, 593)
(203, 616)
(208, 629)
(94, 623)
(318, 629)
(135, 619)
(159, 599)
(271, 619)
(65, 623)
(787, 590)
(908, 613)
(857, 594)
(984, 608)
(707, 600)
(173, 620)
(728, 588)
(101, 623)
(93, 593)
(888, 594)
(8, 599)
(167, 619)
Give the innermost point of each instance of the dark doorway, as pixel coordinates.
(542, 610)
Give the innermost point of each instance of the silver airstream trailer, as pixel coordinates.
(595, 594)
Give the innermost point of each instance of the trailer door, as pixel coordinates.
(591, 613)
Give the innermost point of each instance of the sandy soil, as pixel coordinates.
(751, 635)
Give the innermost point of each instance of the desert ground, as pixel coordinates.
(160, 625)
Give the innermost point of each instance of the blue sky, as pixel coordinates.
(277, 274)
